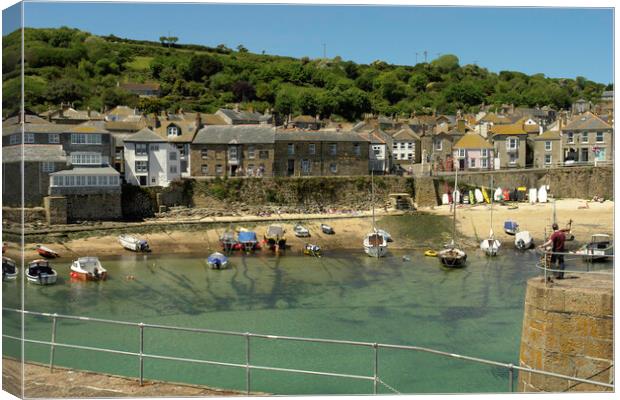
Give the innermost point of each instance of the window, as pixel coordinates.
(14, 139)
(512, 159)
(85, 158)
(142, 166)
(232, 152)
(484, 163)
(584, 137)
(82, 138)
(57, 181)
(141, 149)
(333, 149)
(395, 146)
(80, 180)
(154, 147)
(547, 145)
(410, 156)
(119, 154)
(485, 153)
(462, 153)
(204, 154)
(312, 149)
(218, 169)
(47, 166)
(410, 145)
(173, 131)
(333, 167)
(547, 159)
(53, 138)
(28, 137)
(181, 149)
(173, 169)
(512, 143)
(70, 181)
(290, 149)
(172, 156)
(204, 169)
(103, 180)
(357, 150)
(306, 166)
(91, 181)
(437, 143)
(472, 163)
(599, 137)
(570, 138)
(251, 151)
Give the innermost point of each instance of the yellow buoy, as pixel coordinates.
(430, 253)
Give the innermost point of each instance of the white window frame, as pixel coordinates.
(83, 138)
(173, 131)
(509, 142)
(219, 169)
(141, 149)
(570, 138)
(28, 138)
(584, 135)
(204, 169)
(333, 149)
(53, 138)
(333, 168)
(204, 154)
(79, 158)
(357, 149)
(512, 159)
(484, 152)
(47, 166)
(602, 137)
(484, 163)
(461, 153)
(172, 156)
(312, 149)
(141, 167)
(290, 149)
(251, 151)
(173, 169)
(14, 139)
(437, 144)
(472, 163)
(306, 166)
(548, 145)
(550, 159)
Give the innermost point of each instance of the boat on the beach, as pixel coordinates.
(451, 256)
(600, 248)
(247, 240)
(301, 231)
(312, 250)
(478, 195)
(41, 273)
(511, 227)
(375, 244)
(533, 195)
(133, 243)
(542, 194)
(46, 251)
(523, 240)
(385, 234)
(498, 196)
(490, 245)
(228, 241)
(274, 237)
(445, 199)
(327, 229)
(9, 269)
(88, 269)
(217, 260)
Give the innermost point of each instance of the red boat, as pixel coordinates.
(46, 252)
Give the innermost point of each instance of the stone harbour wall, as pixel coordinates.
(567, 329)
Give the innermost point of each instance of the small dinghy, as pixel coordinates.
(217, 260)
(375, 244)
(312, 250)
(498, 196)
(457, 197)
(133, 243)
(9, 269)
(600, 248)
(88, 269)
(452, 256)
(523, 240)
(301, 231)
(327, 229)
(445, 199)
(511, 227)
(472, 198)
(41, 273)
(491, 245)
(385, 234)
(228, 241)
(533, 195)
(542, 194)
(479, 196)
(46, 252)
(247, 240)
(274, 236)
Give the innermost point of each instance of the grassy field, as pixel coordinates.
(140, 63)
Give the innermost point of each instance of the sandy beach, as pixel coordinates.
(472, 224)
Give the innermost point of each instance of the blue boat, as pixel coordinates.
(248, 240)
(217, 260)
(511, 227)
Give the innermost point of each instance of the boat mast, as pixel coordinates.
(372, 198)
(456, 179)
(492, 198)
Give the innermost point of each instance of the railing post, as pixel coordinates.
(376, 368)
(141, 325)
(510, 377)
(247, 363)
(53, 341)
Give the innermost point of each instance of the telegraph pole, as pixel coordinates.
(425, 56)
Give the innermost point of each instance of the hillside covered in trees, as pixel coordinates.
(69, 65)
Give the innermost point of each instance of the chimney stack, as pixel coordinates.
(198, 121)
(88, 111)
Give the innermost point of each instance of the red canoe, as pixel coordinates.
(46, 252)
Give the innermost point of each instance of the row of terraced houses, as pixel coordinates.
(68, 152)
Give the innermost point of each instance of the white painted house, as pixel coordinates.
(406, 146)
(150, 160)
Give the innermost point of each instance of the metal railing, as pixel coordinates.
(544, 263)
(248, 366)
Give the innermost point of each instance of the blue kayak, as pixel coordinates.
(217, 260)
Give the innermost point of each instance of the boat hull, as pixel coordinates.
(46, 279)
(84, 276)
(523, 240)
(452, 258)
(10, 277)
(490, 246)
(47, 253)
(375, 251)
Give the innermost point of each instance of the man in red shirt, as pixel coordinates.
(556, 240)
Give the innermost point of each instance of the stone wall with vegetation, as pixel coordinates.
(567, 329)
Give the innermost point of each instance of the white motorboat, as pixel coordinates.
(88, 269)
(490, 245)
(133, 243)
(41, 273)
(523, 240)
(600, 248)
(9, 269)
(217, 260)
(327, 229)
(511, 227)
(312, 250)
(301, 231)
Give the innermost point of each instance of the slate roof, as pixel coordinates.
(37, 128)
(321, 136)
(87, 171)
(188, 130)
(240, 134)
(472, 141)
(586, 121)
(512, 129)
(145, 135)
(124, 125)
(35, 153)
(377, 136)
(244, 115)
(608, 95)
(548, 135)
(405, 134)
(30, 119)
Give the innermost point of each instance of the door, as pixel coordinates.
(461, 164)
(142, 180)
(290, 171)
(584, 155)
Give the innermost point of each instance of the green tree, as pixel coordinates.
(202, 66)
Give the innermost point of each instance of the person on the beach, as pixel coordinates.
(556, 241)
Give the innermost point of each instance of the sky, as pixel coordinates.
(558, 42)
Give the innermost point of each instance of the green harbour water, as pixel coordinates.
(475, 311)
